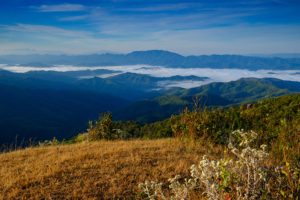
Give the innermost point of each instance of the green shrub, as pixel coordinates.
(102, 129)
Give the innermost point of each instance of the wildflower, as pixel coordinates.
(278, 169)
(214, 186)
(147, 184)
(239, 188)
(250, 163)
(235, 151)
(213, 163)
(264, 146)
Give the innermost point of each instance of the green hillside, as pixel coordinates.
(241, 91)
(276, 120)
(33, 83)
(58, 81)
(145, 82)
(157, 107)
(108, 86)
(45, 113)
(160, 108)
(68, 76)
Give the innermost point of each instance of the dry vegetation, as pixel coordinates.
(102, 170)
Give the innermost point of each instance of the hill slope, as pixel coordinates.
(146, 82)
(160, 108)
(40, 80)
(242, 90)
(108, 86)
(43, 114)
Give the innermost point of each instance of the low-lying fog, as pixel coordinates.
(215, 75)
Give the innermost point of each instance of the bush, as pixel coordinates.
(102, 129)
(245, 177)
(276, 120)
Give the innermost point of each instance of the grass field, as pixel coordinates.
(103, 170)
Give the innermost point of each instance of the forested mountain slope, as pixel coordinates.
(242, 90)
(48, 113)
(160, 108)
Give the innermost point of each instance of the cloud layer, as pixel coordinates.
(215, 75)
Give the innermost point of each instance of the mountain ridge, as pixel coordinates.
(161, 58)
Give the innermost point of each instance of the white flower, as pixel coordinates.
(239, 188)
(214, 186)
(193, 172)
(147, 184)
(235, 151)
(278, 169)
(264, 146)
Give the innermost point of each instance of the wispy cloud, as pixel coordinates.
(74, 18)
(164, 7)
(46, 29)
(60, 8)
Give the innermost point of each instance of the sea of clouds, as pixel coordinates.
(214, 75)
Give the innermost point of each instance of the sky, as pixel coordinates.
(122, 26)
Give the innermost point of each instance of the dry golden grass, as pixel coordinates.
(105, 170)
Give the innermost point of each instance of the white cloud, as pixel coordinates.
(164, 7)
(61, 8)
(215, 75)
(45, 29)
(74, 18)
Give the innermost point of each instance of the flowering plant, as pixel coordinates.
(246, 177)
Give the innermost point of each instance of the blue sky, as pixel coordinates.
(184, 27)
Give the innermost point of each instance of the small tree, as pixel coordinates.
(102, 129)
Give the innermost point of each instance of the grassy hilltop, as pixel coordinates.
(113, 169)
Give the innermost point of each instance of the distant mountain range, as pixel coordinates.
(159, 58)
(279, 55)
